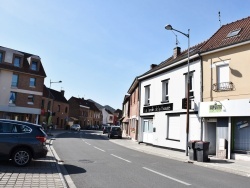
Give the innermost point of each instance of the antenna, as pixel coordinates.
(219, 18)
(176, 40)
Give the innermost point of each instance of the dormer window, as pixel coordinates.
(17, 61)
(233, 33)
(34, 65)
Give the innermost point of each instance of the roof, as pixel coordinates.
(56, 95)
(220, 38)
(87, 103)
(26, 66)
(171, 60)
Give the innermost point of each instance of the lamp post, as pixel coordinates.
(51, 105)
(169, 27)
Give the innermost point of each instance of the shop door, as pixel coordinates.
(211, 137)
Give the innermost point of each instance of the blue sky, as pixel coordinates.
(98, 47)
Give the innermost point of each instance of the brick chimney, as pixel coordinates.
(177, 51)
(62, 92)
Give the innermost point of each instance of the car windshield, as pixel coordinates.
(116, 129)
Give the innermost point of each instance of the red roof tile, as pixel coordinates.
(220, 39)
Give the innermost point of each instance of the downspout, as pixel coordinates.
(139, 119)
(201, 93)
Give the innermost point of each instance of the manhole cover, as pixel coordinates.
(86, 161)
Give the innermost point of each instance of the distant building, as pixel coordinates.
(55, 108)
(84, 112)
(108, 117)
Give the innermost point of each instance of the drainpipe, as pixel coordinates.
(139, 119)
(201, 93)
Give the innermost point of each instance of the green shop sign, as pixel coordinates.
(215, 108)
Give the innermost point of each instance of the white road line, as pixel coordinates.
(99, 149)
(166, 176)
(121, 158)
(87, 143)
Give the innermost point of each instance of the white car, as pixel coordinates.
(75, 127)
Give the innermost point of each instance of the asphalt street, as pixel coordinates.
(92, 160)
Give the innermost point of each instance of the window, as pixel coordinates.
(165, 97)
(222, 76)
(12, 99)
(191, 84)
(148, 126)
(31, 99)
(147, 95)
(49, 105)
(32, 82)
(174, 128)
(34, 65)
(14, 81)
(233, 33)
(42, 104)
(17, 61)
(58, 108)
(66, 109)
(1, 57)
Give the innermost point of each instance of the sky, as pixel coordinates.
(98, 47)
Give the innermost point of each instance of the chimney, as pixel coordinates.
(62, 92)
(177, 51)
(152, 66)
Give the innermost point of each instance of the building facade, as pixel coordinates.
(134, 103)
(84, 112)
(21, 85)
(163, 95)
(55, 108)
(226, 95)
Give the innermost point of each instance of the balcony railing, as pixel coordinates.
(223, 86)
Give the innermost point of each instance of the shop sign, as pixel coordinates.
(242, 124)
(215, 108)
(158, 108)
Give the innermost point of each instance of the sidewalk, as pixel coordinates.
(232, 166)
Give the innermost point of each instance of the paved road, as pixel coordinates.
(93, 161)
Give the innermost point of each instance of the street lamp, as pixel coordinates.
(169, 27)
(51, 105)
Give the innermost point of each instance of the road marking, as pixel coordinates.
(121, 158)
(99, 149)
(87, 143)
(166, 176)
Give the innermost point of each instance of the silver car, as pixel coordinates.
(75, 127)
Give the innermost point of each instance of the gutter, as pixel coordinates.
(225, 48)
(167, 67)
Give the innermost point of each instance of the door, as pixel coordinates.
(211, 137)
(148, 131)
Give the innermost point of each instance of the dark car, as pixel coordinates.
(115, 131)
(106, 129)
(21, 141)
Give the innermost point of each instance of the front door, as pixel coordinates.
(148, 130)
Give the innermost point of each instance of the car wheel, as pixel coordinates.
(21, 157)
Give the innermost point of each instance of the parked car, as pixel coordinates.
(75, 127)
(115, 131)
(106, 129)
(21, 141)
